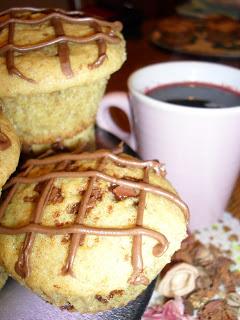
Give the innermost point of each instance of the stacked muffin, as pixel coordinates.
(54, 69)
(87, 232)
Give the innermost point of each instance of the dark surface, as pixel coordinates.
(109, 141)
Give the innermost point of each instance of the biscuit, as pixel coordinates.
(90, 231)
(222, 30)
(52, 93)
(176, 31)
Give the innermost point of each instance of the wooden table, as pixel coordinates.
(140, 53)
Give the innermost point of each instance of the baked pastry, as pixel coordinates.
(176, 31)
(9, 156)
(222, 30)
(54, 68)
(90, 231)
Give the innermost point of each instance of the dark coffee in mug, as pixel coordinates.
(196, 94)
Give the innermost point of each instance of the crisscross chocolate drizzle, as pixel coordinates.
(77, 230)
(103, 32)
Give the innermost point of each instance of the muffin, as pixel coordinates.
(89, 232)
(222, 30)
(54, 69)
(9, 156)
(176, 31)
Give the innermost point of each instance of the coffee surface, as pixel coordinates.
(198, 95)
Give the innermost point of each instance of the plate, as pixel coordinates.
(201, 42)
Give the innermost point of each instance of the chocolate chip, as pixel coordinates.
(39, 187)
(115, 293)
(101, 299)
(65, 239)
(68, 306)
(73, 209)
(32, 199)
(121, 193)
(96, 195)
(55, 196)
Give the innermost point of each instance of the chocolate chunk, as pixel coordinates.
(67, 307)
(132, 179)
(111, 295)
(65, 239)
(95, 196)
(121, 193)
(73, 209)
(115, 293)
(39, 187)
(110, 209)
(55, 196)
(32, 199)
(101, 299)
(217, 310)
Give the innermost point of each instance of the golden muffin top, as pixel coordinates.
(43, 50)
(66, 215)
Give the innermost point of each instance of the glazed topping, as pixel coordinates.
(102, 32)
(125, 188)
(5, 142)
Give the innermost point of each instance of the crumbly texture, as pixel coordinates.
(3, 277)
(102, 267)
(84, 140)
(49, 117)
(55, 107)
(9, 157)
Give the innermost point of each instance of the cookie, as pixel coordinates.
(54, 69)
(222, 30)
(90, 231)
(176, 31)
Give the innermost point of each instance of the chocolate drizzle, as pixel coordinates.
(103, 32)
(78, 230)
(5, 142)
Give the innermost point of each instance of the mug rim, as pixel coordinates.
(173, 107)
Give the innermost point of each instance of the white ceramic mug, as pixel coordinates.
(200, 147)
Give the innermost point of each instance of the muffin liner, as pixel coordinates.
(17, 302)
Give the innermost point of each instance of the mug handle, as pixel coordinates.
(120, 100)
